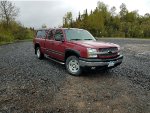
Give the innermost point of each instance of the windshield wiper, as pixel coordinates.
(75, 39)
(88, 39)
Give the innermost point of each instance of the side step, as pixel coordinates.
(62, 63)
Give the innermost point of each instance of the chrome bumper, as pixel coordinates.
(99, 62)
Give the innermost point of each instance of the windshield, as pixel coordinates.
(78, 34)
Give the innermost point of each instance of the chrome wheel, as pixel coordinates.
(74, 65)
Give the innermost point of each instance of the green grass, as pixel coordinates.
(3, 43)
(10, 42)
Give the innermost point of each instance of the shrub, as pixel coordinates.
(15, 32)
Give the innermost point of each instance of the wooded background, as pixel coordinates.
(10, 29)
(102, 22)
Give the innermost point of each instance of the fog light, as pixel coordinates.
(93, 67)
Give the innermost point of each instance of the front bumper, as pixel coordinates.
(100, 62)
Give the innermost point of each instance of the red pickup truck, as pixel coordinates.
(76, 48)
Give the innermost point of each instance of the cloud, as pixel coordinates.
(37, 13)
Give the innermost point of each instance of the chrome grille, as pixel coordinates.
(112, 49)
(108, 52)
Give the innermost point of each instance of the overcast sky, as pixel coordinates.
(37, 13)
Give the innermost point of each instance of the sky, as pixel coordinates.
(50, 12)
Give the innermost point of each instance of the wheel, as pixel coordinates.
(73, 66)
(39, 53)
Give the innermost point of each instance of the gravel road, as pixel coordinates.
(29, 85)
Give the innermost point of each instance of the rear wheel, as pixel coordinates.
(39, 53)
(73, 66)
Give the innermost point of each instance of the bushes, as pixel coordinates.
(118, 34)
(15, 32)
(23, 33)
(6, 36)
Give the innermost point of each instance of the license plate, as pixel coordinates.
(111, 64)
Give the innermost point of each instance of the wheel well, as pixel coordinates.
(36, 45)
(70, 53)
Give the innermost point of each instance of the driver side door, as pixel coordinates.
(59, 45)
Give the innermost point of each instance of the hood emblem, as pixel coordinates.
(109, 52)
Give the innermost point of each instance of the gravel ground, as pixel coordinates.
(29, 85)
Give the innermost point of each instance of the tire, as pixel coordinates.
(73, 66)
(39, 54)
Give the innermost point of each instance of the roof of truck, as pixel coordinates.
(56, 28)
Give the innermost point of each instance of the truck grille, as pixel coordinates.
(111, 52)
(112, 49)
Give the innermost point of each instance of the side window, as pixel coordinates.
(58, 35)
(41, 34)
(50, 34)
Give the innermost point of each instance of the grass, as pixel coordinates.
(10, 42)
(3, 43)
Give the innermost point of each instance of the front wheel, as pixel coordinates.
(73, 66)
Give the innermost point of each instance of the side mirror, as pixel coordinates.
(62, 38)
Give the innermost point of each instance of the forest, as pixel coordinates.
(10, 29)
(104, 22)
(101, 22)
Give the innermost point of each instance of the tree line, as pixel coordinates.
(102, 22)
(10, 29)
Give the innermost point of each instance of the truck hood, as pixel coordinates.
(95, 44)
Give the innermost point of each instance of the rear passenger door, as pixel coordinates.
(49, 43)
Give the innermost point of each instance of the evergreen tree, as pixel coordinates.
(102, 22)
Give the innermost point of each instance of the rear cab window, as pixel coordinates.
(41, 34)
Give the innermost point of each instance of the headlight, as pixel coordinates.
(91, 53)
(118, 48)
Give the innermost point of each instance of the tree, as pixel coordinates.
(8, 12)
(108, 23)
(131, 16)
(101, 6)
(123, 10)
(84, 18)
(113, 11)
(67, 20)
(147, 15)
(79, 17)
